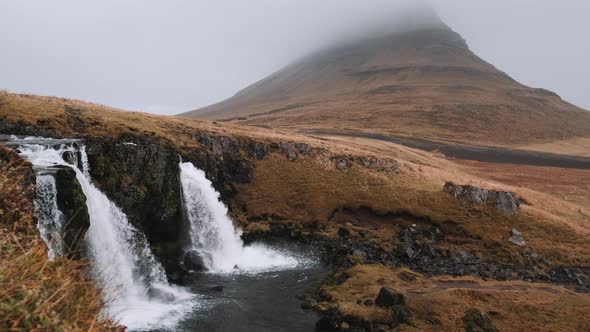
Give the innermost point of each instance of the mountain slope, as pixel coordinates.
(423, 83)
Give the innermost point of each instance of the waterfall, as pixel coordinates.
(213, 235)
(50, 219)
(137, 292)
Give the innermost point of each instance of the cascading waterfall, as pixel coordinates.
(133, 280)
(50, 218)
(213, 235)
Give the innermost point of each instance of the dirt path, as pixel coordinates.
(483, 154)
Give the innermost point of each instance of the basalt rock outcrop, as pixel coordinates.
(143, 179)
(424, 246)
(71, 201)
(506, 202)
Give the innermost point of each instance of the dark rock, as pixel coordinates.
(292, 155)
(144, 181)
(407, 276)
(260, 151)
(69, 157)
(359, 254)
(242, 171)
(506, 202)
(477, 321)
(402, 314)
(278, 228)
(368, 302)
(517, 238)
(453, 190)
(160, 294)
(329, 323)
(302, 148)
(410, 252)
(193, 261)
(389, 297)
(476, 195)
(309, 303)
(216, 288)
(71, 201)
(342, 164)
(343, 232)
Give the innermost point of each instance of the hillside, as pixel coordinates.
(423, 83)
(361, 202)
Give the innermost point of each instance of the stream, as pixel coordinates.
(244, 288)
(255, 302)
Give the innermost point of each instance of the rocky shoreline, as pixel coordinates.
(417, 248)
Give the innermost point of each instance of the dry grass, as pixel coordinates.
(310, 189)
(439, 303)
(36, 294)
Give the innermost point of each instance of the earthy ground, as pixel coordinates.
(440, 303)
(378, 190)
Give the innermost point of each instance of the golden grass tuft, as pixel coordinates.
(35, 293)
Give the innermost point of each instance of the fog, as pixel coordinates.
(176, 55)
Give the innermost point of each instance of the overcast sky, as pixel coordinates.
(171, 56)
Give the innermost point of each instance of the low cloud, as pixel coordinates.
(141, 53)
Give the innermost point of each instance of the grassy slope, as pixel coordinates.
(439, 303)
(311, 188)
(36, 294)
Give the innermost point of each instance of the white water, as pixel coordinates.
(122, 260)
(50, 219)
(213, 235)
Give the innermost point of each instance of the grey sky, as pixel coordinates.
(176, 55)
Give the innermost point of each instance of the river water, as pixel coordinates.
(259, 282)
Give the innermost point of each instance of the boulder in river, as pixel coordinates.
(216, 288)
(160, 294)
(194, 262)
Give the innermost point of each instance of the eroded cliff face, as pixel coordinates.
(143, 178)
(71, 201)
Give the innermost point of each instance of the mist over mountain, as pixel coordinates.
(414, 77)
(171, 57)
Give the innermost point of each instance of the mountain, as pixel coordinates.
(419, 82)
